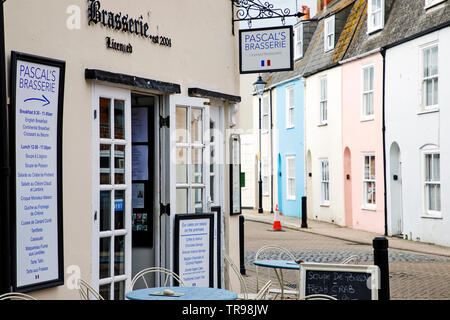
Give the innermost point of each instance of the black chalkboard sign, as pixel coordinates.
(343, 282)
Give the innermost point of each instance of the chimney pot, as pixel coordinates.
(307, 11)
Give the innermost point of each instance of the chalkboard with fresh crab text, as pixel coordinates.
(341, 281)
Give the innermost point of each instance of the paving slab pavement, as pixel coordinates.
(344, 233)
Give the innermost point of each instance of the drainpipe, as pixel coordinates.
(383, 53)
(271, 155)
(5, 265)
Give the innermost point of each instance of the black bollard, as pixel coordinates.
(241, 244)
(381, 259)
(304, 215)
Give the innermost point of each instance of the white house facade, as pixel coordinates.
(417, 138)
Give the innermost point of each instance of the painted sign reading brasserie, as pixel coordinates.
(123, 22)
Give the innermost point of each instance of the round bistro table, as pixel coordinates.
(189, 293)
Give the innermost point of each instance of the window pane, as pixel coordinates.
(196, 126)
(119, 164)
(119, 255)
(105, 291)
(182, 196)
(105, 258)
(181, 164)
(426, 62)
(119, 209)
(119, 290)
(435, 91)
(105, 164)
(372, 167)
(434, 61)
(436, 167)
(428, 167)
(438, 197)
(105, 116)
(181, 125)
(119, 119)
(431, 197)
(197, 165)
(105, 210)
(197, 200)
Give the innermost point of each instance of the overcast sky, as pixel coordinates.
(293, 5)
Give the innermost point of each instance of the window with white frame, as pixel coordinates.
(329, 33)
(189, 157)
(432, 182)
(298, 48)
(324, 182)
(367, 92)
(430, 76)
(375, 16)
(369, 199)
(265, 114)
(265, 176)
(429, 3)
(323, 100)
(290, 107)
(290, 177)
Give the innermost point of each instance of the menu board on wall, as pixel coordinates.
(194, 249)
(37, 91)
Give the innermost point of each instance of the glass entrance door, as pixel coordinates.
(112, 193)
(192, 147)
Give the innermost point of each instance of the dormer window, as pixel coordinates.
(430, 3)
(375, 15)
(329, 34)
(298, 48)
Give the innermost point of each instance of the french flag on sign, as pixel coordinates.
(265, 63)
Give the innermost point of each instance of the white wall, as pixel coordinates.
(325, 141)
(412, 131)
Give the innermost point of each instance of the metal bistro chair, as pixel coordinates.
(351, 260)
(245, 295)
(282, 254)
(157, 271)
(86, 291)
(16, 296)
(319, 297)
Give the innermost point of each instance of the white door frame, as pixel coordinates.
(175, 101)
(123, 94)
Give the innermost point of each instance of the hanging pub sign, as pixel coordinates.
(194, 249)
(266, 50)
(37, 91)
(235, 174)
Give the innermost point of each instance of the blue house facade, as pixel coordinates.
(290, 147)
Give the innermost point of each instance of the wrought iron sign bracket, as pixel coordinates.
(249, 10)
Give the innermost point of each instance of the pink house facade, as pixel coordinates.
(362, 142)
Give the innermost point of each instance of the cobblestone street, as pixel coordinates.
(413, 275)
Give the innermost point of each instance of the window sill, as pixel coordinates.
(367, 119)
(430, 110)
(369, 208)
(432, 216)
(324, 204)
(290, 127)
(374, 30)
(290, 199)
(323, 124)
(433, 4)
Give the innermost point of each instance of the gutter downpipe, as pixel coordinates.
(383, 54)
(5, 260)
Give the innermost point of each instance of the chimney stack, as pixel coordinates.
(307, 12)
(322, 4)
